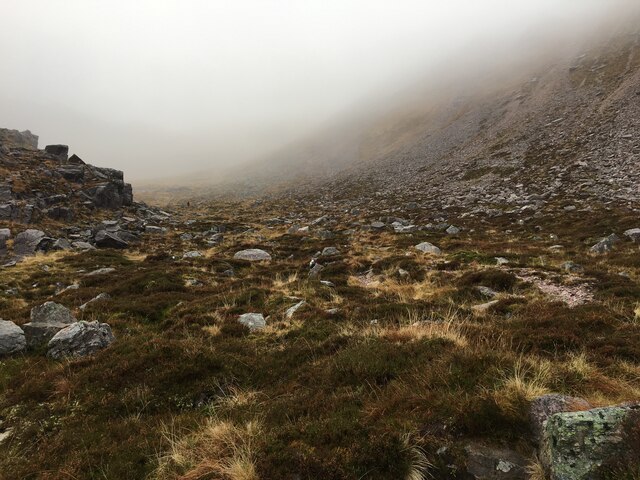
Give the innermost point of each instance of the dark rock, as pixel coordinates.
(76, 160)
(59, 151)
(543, 407)
(489, 463)
(27, 242)
(106, 239)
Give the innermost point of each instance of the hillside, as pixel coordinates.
(461, 301)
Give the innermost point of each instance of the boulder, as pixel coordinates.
(27, 242)
(490, 463)
(106, 239)
(255, 321)
(59, 151)
(452, 230)
(588, 445)
(253, 255)
(5, 234)
(51, 312)
(426, 247)
(76, 160)
(46, 320)
(80, 339)
(107, 195)
(546, 405)
(12, 339)
(72, 173)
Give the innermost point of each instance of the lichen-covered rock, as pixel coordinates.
(587, 445)
(12, 339)
(546, 405)
(80, 339)
(253, 255)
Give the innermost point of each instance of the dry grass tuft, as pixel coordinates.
(420, 465)
(218, 449)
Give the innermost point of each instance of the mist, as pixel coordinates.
(163, 88)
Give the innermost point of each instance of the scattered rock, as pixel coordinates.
(255, 321)
(99, 298)
(330, 252)
(292, 310)
(106, 239)
(253, 255)
(80, 339)
(27, 242)
(633, 234)
(100, 271)
(12, 339)
(193, 254)
(427, 247)
(51, 312)
(490, 463)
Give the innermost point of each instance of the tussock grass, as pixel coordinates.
(216, 449)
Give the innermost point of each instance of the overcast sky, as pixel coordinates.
(164, 87)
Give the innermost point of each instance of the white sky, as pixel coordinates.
(164, 87)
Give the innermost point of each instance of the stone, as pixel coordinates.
(633, 234)
(106, 239)
(72, 173)
(292, 310)
(546, 405)
(491, 463)
(253, 255)
(377, 225)
(153, 229)
(605, 245)
(330, 252)
(426, 247)
(80, 339)
(103, 297)
(192, 254)
(27, 242)
(38, 334)
(5, 234)
(572, 267)
(101, 271)
(315, 271)
(581, 445)
(82, 246)
(486, 291)
(12, 338)
(51, 312)
(484, 307)
(60, 151)
(452, 230)
(61, 244)
(75, 160)
(255, 321)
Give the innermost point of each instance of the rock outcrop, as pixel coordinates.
(80, 339)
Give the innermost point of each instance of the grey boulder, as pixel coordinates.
(426, 247)
(253, 255)
(546, 405)
(106, 239)
(46, 321)
(27, 242)
(12, 339)
(80, 339)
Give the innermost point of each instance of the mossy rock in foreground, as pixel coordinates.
(592, 444)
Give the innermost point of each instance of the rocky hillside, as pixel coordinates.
(53, 201)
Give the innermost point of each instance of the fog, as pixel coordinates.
(161, 88)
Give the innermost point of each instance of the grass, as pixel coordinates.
(188, 392)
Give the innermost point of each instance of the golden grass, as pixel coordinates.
(419, 464)
(217, 449)
(527, 379)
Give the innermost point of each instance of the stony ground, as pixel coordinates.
(396, 365)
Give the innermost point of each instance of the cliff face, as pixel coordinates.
(38, 184)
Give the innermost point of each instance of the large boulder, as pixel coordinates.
(12, 339)
(253, 255)
(546, 405)
(107, 195)
(14, 138)
(80, 339)
(591, 444)
(27, 242)
(46, 321)
(61, 152)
